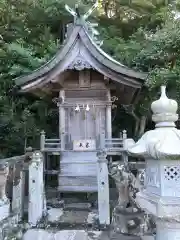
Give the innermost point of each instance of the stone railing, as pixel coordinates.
(13, 185)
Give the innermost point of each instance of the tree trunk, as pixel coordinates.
(142, 125)
(136, 129)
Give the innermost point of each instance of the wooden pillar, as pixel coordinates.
(103, 188)
(62, 120)
(108, 117)
(36, 189)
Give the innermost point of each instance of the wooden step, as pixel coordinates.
(51, 172)
(77, 184)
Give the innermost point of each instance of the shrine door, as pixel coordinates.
(85, 124)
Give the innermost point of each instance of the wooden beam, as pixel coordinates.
(61, 78)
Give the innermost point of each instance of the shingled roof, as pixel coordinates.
(80, 49)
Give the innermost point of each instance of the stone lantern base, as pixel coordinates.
(167, 230)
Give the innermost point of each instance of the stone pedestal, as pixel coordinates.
(167, 230)
(125, 221)
(161, 196)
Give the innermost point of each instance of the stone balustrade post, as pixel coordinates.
(42, 140)
(4, 201)
(124, 135)
(102, 140)
(103, 188)
(124, 153)
(160, 147)
(18, 189)
(36, 189)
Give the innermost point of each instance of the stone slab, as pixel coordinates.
(78, 206)
(148, 238)
(71, 235)
(92, 217)
(37, 234)
(8, 226)
(119, 236)
(54, 214)
(74, 217)
(55, 203)
(96, 235)
(4, 211)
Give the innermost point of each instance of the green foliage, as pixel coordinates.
(27, 41)
(152, 51)
(140, 33)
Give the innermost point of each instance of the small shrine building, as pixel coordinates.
(83, 79)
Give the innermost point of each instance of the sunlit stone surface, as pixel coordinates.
(161, 149)
(38, 234)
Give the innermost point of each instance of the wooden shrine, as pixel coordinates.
(83, 79)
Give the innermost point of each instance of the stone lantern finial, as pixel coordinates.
(164, 110)
(163, 142)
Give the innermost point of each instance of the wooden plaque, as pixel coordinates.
(84, 145)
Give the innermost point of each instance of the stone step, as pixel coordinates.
(72, 183)
(62, 235)
(62, 217)
(81, 206)
(77, 235)
(148, 238)
(118, 236)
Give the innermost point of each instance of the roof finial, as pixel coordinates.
(75, 12)
(91, 10)
(81, 20)
(71, 11)
(164, 110)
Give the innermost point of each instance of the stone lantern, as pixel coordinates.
(161, 149)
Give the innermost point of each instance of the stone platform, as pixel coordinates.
(75, 222)
(73, 219)
(40, 234)
(70, 214)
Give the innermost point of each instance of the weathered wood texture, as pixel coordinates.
(79, 52)
(78, 171)
(87, 89)
(84, 114)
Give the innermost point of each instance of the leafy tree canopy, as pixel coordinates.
(142, 34)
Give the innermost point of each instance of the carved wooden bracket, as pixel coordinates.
(79, 63)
